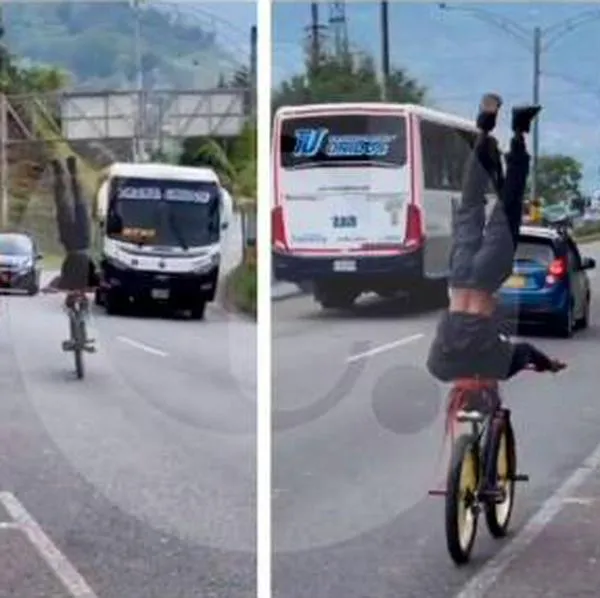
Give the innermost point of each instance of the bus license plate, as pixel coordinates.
(515, 282)
(160, 294)
(344, 266)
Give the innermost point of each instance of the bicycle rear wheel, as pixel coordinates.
(461, 505)
(501, 459)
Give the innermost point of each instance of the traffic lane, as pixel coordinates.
(312, 348)
(164, 469)
(213, 362)
(539, 415)
(118, 553)
(563, 559)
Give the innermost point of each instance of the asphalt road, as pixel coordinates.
(138, 481)
(358, 438)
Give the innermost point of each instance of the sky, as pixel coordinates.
(458, 57)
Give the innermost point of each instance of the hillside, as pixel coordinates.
(94, 42)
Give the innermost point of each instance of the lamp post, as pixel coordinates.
(537, 41)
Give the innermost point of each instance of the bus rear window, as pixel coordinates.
(343, 140)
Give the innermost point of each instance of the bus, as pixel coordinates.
(362, 197)
(160, 235)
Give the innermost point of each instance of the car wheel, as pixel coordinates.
(566, 324)
(584, 322)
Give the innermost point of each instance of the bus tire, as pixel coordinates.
(113, 304)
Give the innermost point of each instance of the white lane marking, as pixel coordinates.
(386, 347)
(56, 560)
(133, 343)
(478, 586)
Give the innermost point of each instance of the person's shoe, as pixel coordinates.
(488, 112)
(522, 117)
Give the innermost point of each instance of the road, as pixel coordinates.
(138, 481)
(358, 442)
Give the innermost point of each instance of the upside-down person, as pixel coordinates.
(468, 341)
(78, 273)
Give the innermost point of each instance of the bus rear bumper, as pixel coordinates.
(367, 272)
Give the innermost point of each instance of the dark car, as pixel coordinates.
(19, 263)
(549, 284)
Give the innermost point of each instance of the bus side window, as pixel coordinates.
(436, 147)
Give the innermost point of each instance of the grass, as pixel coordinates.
(241, 289)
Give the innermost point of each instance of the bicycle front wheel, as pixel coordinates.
(461, 499)
(78, 334)
(501, 459)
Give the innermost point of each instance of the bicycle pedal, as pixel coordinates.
(68, 346)
(436, 493)
(89, 348)
(520, 477)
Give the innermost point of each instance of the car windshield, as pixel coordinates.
(15, 245)
(534, 250)
(165, 213)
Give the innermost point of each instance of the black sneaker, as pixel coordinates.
(522, 117)
(488, 112)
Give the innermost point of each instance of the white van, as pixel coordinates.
(161, 227)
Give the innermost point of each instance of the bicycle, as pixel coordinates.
(483, 467)
(77, 311)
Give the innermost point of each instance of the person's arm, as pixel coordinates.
(526, 356)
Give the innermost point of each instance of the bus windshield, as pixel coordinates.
(343, 140)
(164, 212)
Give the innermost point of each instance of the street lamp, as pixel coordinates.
(543, 38)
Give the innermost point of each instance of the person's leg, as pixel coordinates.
(494, 261)
(468, 215)
(81, 211)
(64, 215)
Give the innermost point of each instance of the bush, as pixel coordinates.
(241, 289)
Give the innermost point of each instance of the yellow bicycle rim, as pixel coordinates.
(467, 489)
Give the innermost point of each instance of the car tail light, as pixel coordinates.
(556, 271)
(278, 229)
(414, 225)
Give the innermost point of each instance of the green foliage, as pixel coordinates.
(242, 288)
(347, 78)
(559, 178)
(233, 160)
(94, 42)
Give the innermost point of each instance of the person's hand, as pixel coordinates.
(557, 366)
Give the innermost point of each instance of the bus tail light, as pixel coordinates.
(414, 225)
(278, 229)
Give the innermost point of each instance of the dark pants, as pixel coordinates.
(481, 258)
(482, 254)
(74, 228)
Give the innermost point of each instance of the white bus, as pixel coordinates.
(160, 235)
(363, 195)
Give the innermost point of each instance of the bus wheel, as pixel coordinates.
(334, 296)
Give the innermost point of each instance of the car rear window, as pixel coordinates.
(539, 251)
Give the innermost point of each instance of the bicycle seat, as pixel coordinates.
(475, 384)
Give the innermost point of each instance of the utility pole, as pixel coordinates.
(385, 49)
(4, 135)
(315, 33)
(537, 53)
(253, 68)
(139, 84)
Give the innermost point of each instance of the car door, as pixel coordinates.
(579, 280)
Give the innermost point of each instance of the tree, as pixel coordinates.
(559, 178)
(347, 78)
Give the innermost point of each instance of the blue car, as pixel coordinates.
(549, 285)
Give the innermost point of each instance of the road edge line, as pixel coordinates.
(479, 584)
